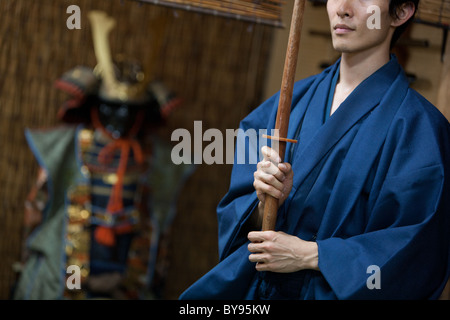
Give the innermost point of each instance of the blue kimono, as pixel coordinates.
(371, 187)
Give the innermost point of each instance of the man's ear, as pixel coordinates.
(403, 13)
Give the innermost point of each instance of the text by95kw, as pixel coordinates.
(225, 309)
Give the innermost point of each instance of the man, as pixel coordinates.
(364, 206)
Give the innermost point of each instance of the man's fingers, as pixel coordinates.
(258, 249)
(259, 258)
(285, 167)
(273, 179)
(270, 179)
(255, 247)
(260, 236)
(263, 187)
(261, 196)
(271, 169)
(270, 155)
(262, 266)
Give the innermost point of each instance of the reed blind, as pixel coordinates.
(435, 12)
(259, 11)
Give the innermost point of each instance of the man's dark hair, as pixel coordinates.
(393, 7)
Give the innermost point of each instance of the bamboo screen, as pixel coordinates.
(435, 12)
(261, 11)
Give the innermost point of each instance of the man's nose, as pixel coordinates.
(344, 9)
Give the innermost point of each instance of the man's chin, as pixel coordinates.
(342, 49)
(340, 45)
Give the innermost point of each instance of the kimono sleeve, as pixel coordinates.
(410, 255)
(237, 205)
(404, 251)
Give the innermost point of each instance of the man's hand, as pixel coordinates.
(280, 252)
(273, 177)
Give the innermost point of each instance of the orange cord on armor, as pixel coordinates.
(105, 235)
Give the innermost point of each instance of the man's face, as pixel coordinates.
(349, 29)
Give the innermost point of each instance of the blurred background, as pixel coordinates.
(222, 64)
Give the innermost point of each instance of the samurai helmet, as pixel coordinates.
(118, 82)
(122, 81)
